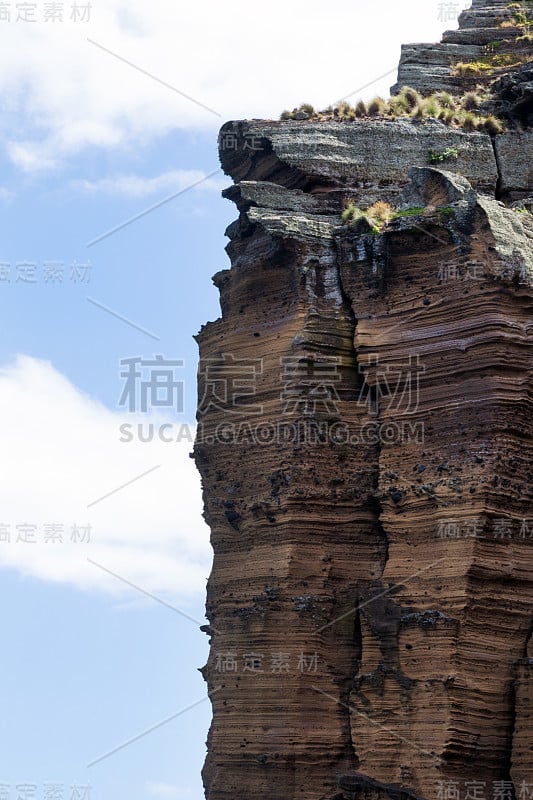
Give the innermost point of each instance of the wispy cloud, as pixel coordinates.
(30, 156)
(141, 186)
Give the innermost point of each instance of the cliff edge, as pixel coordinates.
(364, 441)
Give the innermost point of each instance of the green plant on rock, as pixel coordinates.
(419, 111)
(398, 106)
(523, 20)
(410, 96)
(351, 214)
(440, 156)
(377, 107)
(487, 65)
(304, 108)
(409, 212)
(432, 107)
(377, 215)
(447, 115)
(464, 112)
(493, 126)
(343, 110)
(446, 211)
(471, 122)
(445, 100)
(508, 60)
(467, 68)
(471, 101)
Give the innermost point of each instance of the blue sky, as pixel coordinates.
(89, 142)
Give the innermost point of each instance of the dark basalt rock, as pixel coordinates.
(513, 96)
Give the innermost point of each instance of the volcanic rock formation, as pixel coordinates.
(490, 34)
(364, 442)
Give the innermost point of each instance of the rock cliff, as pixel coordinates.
(364, 442)
(491, 34)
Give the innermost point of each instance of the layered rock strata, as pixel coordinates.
(488, 35)
(364, 441)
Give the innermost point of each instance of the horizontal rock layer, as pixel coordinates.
(370, 160)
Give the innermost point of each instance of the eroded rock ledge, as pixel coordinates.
(364, 443)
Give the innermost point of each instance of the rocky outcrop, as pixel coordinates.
(514, 95)
(513, 155)
(489, 35)
(364, 441)
(370, 160)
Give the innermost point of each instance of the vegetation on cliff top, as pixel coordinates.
(459, 112)
(470, 110)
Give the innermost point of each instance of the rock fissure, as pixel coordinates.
(498, 193)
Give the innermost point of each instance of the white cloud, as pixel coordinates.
(139, 186)
(65, 453)
(29, 156)
(61, 93)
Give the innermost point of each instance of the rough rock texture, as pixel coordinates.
(364, 443)
(514, 94)
(369, 160)
(514, 155)
(430, 67)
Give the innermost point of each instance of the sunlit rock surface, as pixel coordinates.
(364, 443)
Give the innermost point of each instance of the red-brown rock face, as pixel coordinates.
(364, 443)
